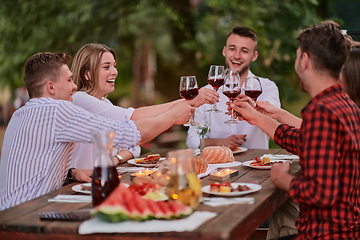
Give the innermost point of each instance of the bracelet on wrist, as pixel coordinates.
(120, 158)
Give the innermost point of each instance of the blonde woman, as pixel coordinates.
(94, 73)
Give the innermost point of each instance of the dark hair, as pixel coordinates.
(244, 32)
(87, 59)
(326, 46)
(41, 67)
(351, 74)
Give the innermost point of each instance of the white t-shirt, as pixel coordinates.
(256, 138)
(38, 144)
(83, 157)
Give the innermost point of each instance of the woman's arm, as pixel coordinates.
(205, 95)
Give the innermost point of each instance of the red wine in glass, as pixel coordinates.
(232, 94)
(189, 94)
(216, 83)
(253, 94)
(216, 80)
(104, 182)
(231, 89)
(188, 90)
(253, 87)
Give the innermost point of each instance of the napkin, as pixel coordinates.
(218, 201)
(209, 170)
(71, 198)
(284, 156)
(190, 223)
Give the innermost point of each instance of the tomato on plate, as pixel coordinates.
(143, 188)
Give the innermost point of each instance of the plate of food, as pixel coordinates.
(262, 163)
(227, 189)
(86, 187)
(149, 161)
(82, 188)
(237, 150)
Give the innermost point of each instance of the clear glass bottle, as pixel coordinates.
(183, 186)
(105, 178)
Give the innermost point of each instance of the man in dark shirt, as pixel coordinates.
(328, 141)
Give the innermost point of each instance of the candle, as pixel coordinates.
(224, 174)
(142, 173)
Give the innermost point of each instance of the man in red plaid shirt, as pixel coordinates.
(328, 141)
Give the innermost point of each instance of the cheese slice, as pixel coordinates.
(265, 160)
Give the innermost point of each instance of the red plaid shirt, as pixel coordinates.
(328, 144)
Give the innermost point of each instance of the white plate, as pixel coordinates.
(77, 188)
(252, 186)
(225, 165)
(247, 164)
(132, 161)
(239, 150)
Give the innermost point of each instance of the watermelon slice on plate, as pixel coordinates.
(124, 204)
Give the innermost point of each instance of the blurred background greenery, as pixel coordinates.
(157, 41)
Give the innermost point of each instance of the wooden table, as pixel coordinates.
(236, 221)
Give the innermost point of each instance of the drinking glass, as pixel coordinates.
(183, 186)
(216, 80)
(202, 125)
(231, 89)
(253, 87)
(188, 90)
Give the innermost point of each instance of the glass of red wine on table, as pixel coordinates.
(216, 80)
(253, 87)
(231, 89)
(188, 90)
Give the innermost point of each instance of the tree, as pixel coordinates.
(156, 41)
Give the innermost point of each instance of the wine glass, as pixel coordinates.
(231, 89)
(253, 87)
(188, 90)
(202, 125)
(216, 80)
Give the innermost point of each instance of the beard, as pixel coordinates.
(301, 81)
(244, 69)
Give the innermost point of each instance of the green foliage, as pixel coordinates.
(186, 38)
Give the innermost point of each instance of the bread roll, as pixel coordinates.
(217, 154)
(200, 165)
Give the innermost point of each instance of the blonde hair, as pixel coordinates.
(86, 64)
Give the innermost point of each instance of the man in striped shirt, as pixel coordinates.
(40, 136)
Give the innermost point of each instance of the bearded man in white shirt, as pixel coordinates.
(41, 135)
(240, 51)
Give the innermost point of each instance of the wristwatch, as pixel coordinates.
(120, 158)
(70, 177)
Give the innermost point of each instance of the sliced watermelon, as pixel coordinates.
(124, 204)
(157, 212)
(179, 210)
(142, 207)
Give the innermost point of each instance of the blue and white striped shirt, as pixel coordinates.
(39, 142)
